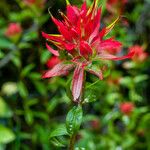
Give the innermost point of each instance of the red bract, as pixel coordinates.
(126, 108)
(81, 42)
(139, 55)
(53, 61)
(13, 29)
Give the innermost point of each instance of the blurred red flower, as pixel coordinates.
(139, 55)
(126, 108)
(81, 43)
(54, 60)
(13, 29)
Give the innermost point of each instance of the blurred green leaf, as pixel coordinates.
(41, 88)
(34, 76)
(1, 54)
(30, 36)
(5, 111)
(25, 71)
(45, 55)
(22, 89)
(16, 60)
(140, 78)
(127, 82)
(6, 135)
(29, 116)
(18, 17)
(4, 43)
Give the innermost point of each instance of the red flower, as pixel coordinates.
(13, 29)
(81, 42)
(126, 107)
(54, 60)
(139, 55)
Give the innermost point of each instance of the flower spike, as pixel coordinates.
(81, 42)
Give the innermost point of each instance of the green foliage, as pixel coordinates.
(32, 110)
(6, 135)
(74, 119)
(55, 138)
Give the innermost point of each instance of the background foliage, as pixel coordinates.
(30, 108)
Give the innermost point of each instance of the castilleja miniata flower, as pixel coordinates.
(13, 29)
(126, 107)
(81, 42)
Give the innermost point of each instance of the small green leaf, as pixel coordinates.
(34, 76)
(22, 89)
(59, 131)
(56, 136)
(68, 89)
(45, 55)
(29, 117)
(41, 88)
(17, 61)
(90, 96)
(4, 109)
(1, 54)
(27, 70)
(6, 135)
(140, 78)
(80, 148)
(74, 119)
(4, 43)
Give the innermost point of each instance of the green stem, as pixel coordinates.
(72, 142)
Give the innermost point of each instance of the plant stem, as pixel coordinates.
(72, 142)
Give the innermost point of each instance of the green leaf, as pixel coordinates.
(4, 43)
(4, 109)
(140, 78)
(6, 135)
(34, 76)
(30, 36)
(41, 88)
(17, 61)
(22, 89)
(74, 119)
(45, 55)
(1, 54)
(68, 89)
(29, 117)
(27, 70)
(127, 82)
(56, 135)
(59, 131)
(90, 96)
(80, 148)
